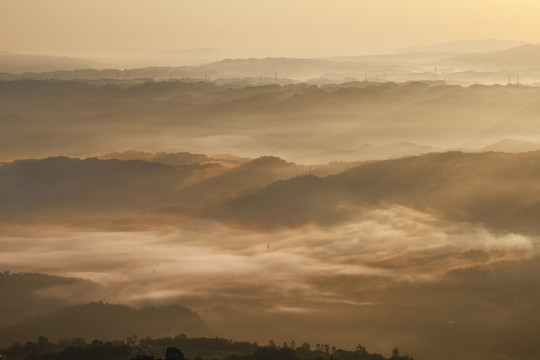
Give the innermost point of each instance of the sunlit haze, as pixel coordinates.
(180, 32)
(262, 180)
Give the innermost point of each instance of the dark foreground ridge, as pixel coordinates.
(183, 348)
(106, 321)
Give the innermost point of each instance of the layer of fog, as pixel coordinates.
(302, 123)
(388, 277)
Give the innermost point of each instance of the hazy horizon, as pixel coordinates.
(199, 56)
(137, 33)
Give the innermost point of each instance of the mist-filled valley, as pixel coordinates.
(430, 252)
(263, 208)
(299, 122)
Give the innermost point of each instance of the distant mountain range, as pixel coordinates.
(18, 63)
(472, 55)
(512, 146)
(463, 46)
(524, 57)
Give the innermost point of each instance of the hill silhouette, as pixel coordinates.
(242, 180)
(105, 321)
(494, 189)
(25, 295)
(175, 159)
(62, 189)
(54, 187)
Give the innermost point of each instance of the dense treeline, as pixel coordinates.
(175, 348)
(215, 344)
(66, 350)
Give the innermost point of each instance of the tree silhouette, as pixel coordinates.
(173, 353)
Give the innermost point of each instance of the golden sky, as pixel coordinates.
(254, 28)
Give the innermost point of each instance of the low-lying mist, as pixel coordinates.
(389, 276)
(301, 122)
